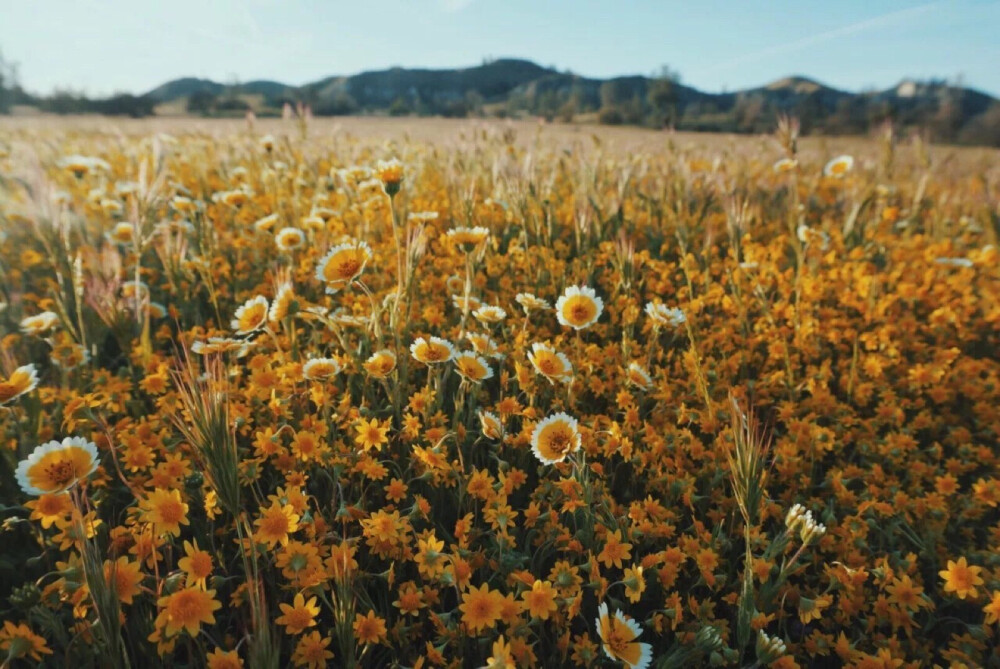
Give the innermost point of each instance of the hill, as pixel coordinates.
(518, 87)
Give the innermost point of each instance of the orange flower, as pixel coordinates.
(371, 434)
(311, 651)
(481, 608)
(124, 578)
(275, 523)
(540, 600)
(615, 550)
(196, 563)
(299, 615)
(186, 610)
(18, 641)
(369, 628)
(618, 637)
(961, 578)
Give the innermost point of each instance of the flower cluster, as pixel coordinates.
(272, 401)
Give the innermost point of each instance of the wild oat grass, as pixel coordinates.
(503, 396)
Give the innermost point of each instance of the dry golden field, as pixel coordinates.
(428, 393)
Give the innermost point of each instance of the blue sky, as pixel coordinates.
(101, 46)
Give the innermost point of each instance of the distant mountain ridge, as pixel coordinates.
(512, 86)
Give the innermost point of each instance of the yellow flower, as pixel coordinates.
(540, 600)
(196, 564)
(492, 427)
(467, 239)
(123, 233)
(481, 608)
(311, 652)
(57, 466)
(18, 641)
(390, 173)
(371, 434)
(222, 659)
(472, 367)
(961, 578)
(432, 350)
(250, 317)
(124, 578)
(289, 239)
(275, 523)
(39, 324)
(554, 438)
(839, 166)
(300, 615)
(380, 364)
(618, 637)
(639, 377)
(343, 264)
(579, 307)
(186, 610)
(321, 369)
(369, 628)
(550, 363)
(165, 510)
(22, 380)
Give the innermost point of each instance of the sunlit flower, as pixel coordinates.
(839, 166)
(266, 222)
(484, 345)
(481, 608)
(489, 314)
(56, 466)
(531, 303)
(39, 324)
(123, 233)
(321, 369)
(390, 173)
(472, 367)
(639, 377)
(343, 264)
(22, 380)
(380, 364)
(289, 239)
(491, 425)
(432, 350)
(661, 315)
(579, 307)
(785, 165)
(250, 317)
(550, 363)
(554, 438)
(467, 239)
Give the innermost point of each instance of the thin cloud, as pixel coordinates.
(812, 40)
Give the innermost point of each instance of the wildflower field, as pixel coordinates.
(287, 395)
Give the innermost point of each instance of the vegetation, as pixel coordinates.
(285, 399)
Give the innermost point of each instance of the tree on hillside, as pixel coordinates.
(663, 96)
